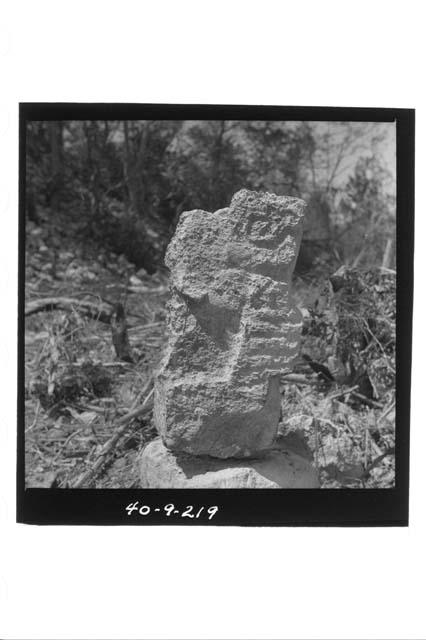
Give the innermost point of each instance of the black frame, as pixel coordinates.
(244, 507)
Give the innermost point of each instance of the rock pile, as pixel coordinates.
(232, 331)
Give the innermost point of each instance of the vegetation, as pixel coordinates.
(102, 201)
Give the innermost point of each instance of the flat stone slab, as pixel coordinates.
(280, 468)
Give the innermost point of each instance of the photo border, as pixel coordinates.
(243, 507)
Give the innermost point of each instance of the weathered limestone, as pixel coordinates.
(232, 331)
(232, 326)
(279, 468)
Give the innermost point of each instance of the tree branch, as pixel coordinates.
(94, 311)
(123, 424)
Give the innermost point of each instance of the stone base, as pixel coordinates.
(279, 468)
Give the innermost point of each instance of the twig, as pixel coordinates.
(342, 392)
(107, 448)
(159, 290)
(88, 407)
(377, 461)
(386, 412)
(37, 411)
(68, 304)
(141, 394)
(297, 378)
(123, 365)
(142, 327)
(144, 408)
(367, 401)
(298, 416)
(67, 441)
(380, 346)
(358, 396)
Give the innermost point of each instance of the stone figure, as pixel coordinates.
(232, 331)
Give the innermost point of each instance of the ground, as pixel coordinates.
(78, 394)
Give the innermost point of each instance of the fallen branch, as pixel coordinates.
(158, 290)
(342, 392)
(107, 448)
(352, 391)
(297, 378)
(89, 309)
(367, 401)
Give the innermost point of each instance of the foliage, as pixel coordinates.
(125, 183)
(367, 213)
(347, 417)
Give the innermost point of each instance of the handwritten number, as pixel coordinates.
(144, 510)
(211, 511)
(169, 508)
(133, 506)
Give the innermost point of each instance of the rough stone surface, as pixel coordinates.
(232, 326)
(279, 468)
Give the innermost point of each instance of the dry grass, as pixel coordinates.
(76, 390)
(79, 397)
